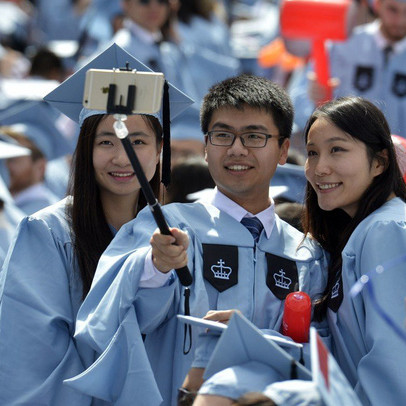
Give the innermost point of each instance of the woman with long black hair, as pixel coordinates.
(51, 263)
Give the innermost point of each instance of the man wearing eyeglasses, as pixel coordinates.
(240, 254)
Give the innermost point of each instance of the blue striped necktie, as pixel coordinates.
(254, 226)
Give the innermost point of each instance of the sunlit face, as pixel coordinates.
(338, 167)
(113, 171)
(150, 15)
(392, 14)
(244, 174)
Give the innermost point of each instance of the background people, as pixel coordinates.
(371, 64)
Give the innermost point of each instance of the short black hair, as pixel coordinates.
(253, 91)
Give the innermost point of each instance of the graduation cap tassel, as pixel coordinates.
(166, 124)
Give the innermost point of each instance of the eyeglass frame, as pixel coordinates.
(240, 136)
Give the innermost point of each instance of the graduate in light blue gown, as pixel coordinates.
(10, 215)
(199, 22)
(370, 64)
(356, 209)
(26, 174)
(51, 262)
(247, 121)
(33, 124)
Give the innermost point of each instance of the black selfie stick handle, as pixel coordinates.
(183, 273)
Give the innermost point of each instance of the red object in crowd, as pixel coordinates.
(296, 317)
(318, 21)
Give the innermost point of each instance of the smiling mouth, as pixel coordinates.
(327, 186)
(121, 174)
(237, 168)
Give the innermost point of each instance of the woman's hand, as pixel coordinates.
(165, 254)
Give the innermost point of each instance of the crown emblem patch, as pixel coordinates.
(282, 276)
(281, 281)
(337, 295)
(364, 78)
(220, 265)
(335, 290)
(399, 85)
(220, 271)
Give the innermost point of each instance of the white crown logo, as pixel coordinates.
(220, 271)
(336, 288)
(282, 281)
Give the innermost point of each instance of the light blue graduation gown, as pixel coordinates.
(359, 65)
(386, 87)
(116, 307)
(56, 20)
(213, 34)
(57, 176)
(370, 354)
(34, 198)
(40, 294)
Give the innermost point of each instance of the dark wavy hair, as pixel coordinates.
(90, 231)
(363, 121)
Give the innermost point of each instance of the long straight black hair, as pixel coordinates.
(363, 121)
(90, 231)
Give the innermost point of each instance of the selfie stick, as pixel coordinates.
(120, 114)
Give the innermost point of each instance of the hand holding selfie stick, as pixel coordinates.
(120, 114)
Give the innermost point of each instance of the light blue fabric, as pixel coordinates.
(370, 354)
(57, 176)
(116, 303)
(2, 256)
(213, 34)
(360, 51)
(191, 70)
(244, 360)
(40, 293)
(7, 231)
(35, 198)
(233, 382)
(56, 20)
(294, 393)
(37, 121)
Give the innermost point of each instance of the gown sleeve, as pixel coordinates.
(113, 317)
(380, 369)
(37, 350)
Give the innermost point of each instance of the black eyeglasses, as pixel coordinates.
(250, 139)
(146, 2)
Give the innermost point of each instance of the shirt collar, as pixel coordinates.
(382, 42)
(145, 35)
(223, 203)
